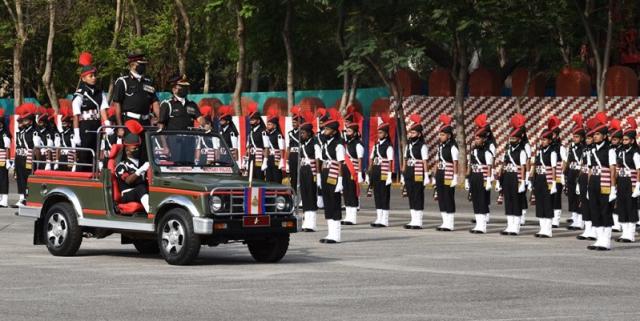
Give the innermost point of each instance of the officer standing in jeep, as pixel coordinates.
(134, 96)
(178, 112)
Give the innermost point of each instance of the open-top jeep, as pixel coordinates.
(196, 196)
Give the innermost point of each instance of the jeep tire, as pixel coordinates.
(269, 250)
(61, 232)
(178, 244)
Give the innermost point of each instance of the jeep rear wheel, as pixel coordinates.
(269, 250)
(146, 246)
(178, 244)
(61, 231)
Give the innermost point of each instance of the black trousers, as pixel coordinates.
(293, 170)
(273, 173)
(350, 191)
(544, 199)
(4, 180)
(512, 199)
(332, 200)
(22, 174)
(479, 198)
(88, 139)
(258, 174)
(601, 209)
(585, 210)
(557, 197)
(573, 199)
(446, 194)
(627, 206)
(134, 194)
(381, 191)
(415, 190)
(308, 189)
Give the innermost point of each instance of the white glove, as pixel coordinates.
(339, 185)
(498, 186)
(578, 189)
(636, 191)
(466, 184)
(454, 181)
(47, 167)
(402, 179)
(562, 181)
(10, 165)
(366, 179)
(587, 194)
(76, 136)
(554, 189)
(433, 181)
(521, 187)
(264, 165)
(488, 184)
(142, 169)
(360, 178)
(529, 185)
(281, 165)
(108, 131)
(55, 167)
(427, 179)
(613, 194)
(389, 179)
(319, 180)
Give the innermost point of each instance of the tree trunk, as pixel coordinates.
(114, 41)
(255, 76)
(136, 18)
(461, 76)
(353, 91)
(286, 36)
(343, 51)
(21, 39)
(186, 26)
(237, 93)
(207, 75)
(46, 76)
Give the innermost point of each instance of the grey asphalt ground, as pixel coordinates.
(375, 274)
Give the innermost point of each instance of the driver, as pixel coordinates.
(131, 174)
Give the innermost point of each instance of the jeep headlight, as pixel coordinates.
(215, 204)
(281, 203)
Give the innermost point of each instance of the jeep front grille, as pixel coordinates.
(234, 202)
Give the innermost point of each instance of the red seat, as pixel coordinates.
(124, 208)
(63, 174)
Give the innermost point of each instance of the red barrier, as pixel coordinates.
(621, 81)
(518, 80)
(484, 82)
(441, 83)
(573, 82)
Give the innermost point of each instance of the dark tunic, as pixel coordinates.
(513, 201)
(446, 193)
(544, 199)
(626, 206)
(381, 191)
(332, 200)
(601, 209)
(415, 188)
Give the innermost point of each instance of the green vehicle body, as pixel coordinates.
(92, 201)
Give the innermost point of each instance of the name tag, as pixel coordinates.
(148, 89)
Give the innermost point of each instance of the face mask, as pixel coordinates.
(181, 92)
(141, 68)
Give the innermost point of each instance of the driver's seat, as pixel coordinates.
(129, 208)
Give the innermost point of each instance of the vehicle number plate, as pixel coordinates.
(256, 221)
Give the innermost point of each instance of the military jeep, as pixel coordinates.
(196, 197)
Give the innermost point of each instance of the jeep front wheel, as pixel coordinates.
(269, 250)
(61, 230)
(179, 245)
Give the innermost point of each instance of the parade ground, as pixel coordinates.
(375, 274)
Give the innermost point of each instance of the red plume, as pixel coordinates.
(66, 111)
(111, 112)
(134, 126)
(85, 59)
(205, 111)
(386, 118)
(1, 112)
(295, 110)
(308, 116)
(445, 119)
(415, 118)
(592, 123)
(334, 114)
(320, 112)
(517, 120)
(602, 117)
(631, 122)
(577, 118)
(553, 123)
(251, 108)
(351, 109)
(481, 120)
(615, 124)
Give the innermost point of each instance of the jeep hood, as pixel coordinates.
(208, 182)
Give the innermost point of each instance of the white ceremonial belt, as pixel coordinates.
(136, 116)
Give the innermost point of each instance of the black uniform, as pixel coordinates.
(583, 182)
(131, 192)
(230, 136)
(542, 181)
(627, 206)
(47, 135)
(557, 197)
(332, 159)
(514, 158)
(176, 115)
(481, 159)
(572, 172)
(308, 171)
(135, 96)
(292, 158)
(5, 145)
(414, 173)
(274, 161)
(602, 156)
(350, 192)
(444, 174)
(26, 140)
(379, 175)
(255, 146)
(92, 100)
